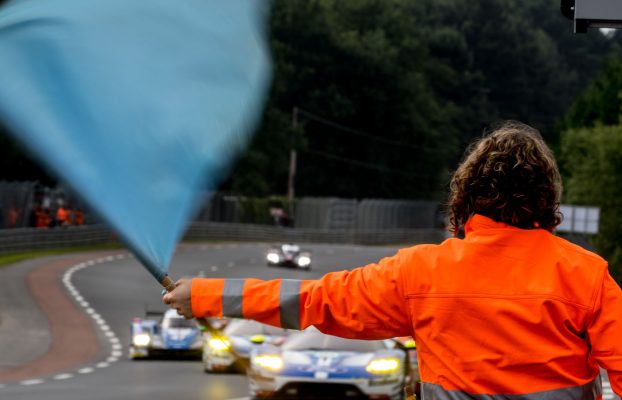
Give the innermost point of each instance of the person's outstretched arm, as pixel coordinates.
(365, 303)
(605, 331)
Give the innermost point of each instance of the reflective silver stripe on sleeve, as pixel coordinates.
(589, 391)
(289, 299)
(232, 298)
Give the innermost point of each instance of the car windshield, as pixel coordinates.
(290, 248)
(320, 341)
(178, 323)
(246, 327)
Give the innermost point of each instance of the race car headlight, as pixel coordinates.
(273, 258)
(270, 362)
(219, 344)
(383, 365)
(141, 339)
(410, 344)
(258, 339)
(303, 261)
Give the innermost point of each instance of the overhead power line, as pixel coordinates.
(359, 133)
(363, 164)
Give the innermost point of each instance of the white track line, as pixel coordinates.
(85, 370)
(113, 341)
(31, 382)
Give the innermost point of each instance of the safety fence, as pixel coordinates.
(29, 204)
(24, 239)
(367, 214)
(326, 212)
(21, 203)
(15, 198)
(246, 232)
(223, 217)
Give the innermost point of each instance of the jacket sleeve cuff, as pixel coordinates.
(206, 297)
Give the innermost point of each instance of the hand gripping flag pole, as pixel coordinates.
(167, 283)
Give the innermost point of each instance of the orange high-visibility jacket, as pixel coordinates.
(504, 311)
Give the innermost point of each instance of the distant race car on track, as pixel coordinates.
(311, 364)
(289, 255)
(229, 350)
(164, 334)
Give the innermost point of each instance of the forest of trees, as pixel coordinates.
(405, 86)
(591, 158)
(389, 93)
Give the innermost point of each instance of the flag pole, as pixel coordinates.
(169, 285)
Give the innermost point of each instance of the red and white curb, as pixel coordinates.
(116, 349)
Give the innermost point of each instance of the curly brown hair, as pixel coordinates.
(510, 176)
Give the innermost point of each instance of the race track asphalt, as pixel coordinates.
(109, 289)
(39, 324)
(64, 321)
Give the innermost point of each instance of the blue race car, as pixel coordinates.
(165, 334)
(314, 365)
(229, 350)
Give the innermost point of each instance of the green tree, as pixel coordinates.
(601, 102)
(359, 63)
(593, 160)
(423, 78)
(419, 79)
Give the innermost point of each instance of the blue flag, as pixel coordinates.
(138, 105)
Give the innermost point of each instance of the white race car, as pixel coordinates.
(311, 364)
(164, 334)
(289, 255)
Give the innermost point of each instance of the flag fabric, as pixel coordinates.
(138, 105)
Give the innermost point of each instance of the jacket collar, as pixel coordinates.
(479, 222)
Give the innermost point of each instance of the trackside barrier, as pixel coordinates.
(243, 232)
(25, 239)
(15, 200)
(367, 214)
(20, 200)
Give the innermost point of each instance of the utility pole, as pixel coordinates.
(292, 167)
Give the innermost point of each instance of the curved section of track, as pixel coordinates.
(110, 290)
(66, 325)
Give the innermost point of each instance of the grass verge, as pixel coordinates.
(13, 257)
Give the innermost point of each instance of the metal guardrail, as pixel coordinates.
(20, 201)
(245, 232)
(367, 214)
(24, 239)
